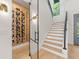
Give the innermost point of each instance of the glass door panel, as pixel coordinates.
(33, 30)
(76, 29)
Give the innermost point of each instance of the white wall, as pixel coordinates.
(5, 31)
(72, 8)
(60, 17)
(45, 20)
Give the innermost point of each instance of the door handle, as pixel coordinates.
(35, 36)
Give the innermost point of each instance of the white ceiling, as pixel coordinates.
(33, 6)
(22, 2)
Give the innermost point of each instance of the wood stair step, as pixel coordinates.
(56, 36)
(58, 25)
(54, 39)
(59, 22)
(57, 44)
(52, 48)
(55, 33)
(56, 30)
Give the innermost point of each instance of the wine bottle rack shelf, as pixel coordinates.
(19, 29)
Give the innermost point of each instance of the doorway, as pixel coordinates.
(76, 29)
(20, 29)
(34, 29)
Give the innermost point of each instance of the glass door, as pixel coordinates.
(34, 31)
(76, 29)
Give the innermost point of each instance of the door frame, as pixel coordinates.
(37, 30)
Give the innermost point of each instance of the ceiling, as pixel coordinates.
(33, 7)
(22, 2)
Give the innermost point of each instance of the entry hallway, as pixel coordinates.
(73, 52)
(21, 53)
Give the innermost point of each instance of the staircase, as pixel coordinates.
(55, 40)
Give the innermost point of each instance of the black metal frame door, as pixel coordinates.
(36, 41)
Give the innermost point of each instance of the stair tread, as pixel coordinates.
(58, 25)
(53, 52)
(56, 36)
(60, 40)
(56, 30)
(52, 48)
(54, 43)
(55, 33)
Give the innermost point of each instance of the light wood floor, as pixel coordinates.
(73, 52)
(21, 53)
(46, 55)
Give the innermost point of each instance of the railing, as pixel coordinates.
(35, 40)
(50, 7)
(65, 31)
(65, 25)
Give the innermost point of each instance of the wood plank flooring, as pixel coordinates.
(73, 52)
(21, 53)
(46, 55)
